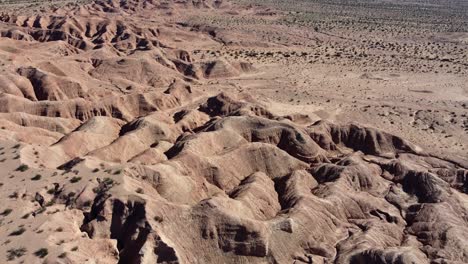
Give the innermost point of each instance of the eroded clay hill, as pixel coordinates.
(112, 151)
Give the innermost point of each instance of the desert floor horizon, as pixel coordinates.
(241, 131)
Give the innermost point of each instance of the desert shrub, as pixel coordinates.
(41, 253)
(18, 232)
(75, 179)
(41, 210)
(15, 253)
(22, 167)
(36, 178)
(6, 212)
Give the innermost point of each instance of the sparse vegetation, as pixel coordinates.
(22, 168)
(18, 232)
(15, 253)
(6, 212)
(104, 185)
(41, 210)
(75, 248)
(36, 178)
(62, 255)
(75, 179)
(41, 253)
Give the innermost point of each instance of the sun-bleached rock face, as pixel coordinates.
(124, 158)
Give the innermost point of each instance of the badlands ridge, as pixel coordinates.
(113, 150)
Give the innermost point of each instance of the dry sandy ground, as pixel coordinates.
(234, 132)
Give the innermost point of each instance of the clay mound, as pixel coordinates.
(55, 124)
(93, 134)
(51, 87)
(285, 136)
(123, 159)
(32, 135)
(223, 69)
(359, 138)
(88, 26)
(213, 69)
(18, 86)
(134, 71)
(246, 182)
(225, 104)
(124, 107)
(352, 191)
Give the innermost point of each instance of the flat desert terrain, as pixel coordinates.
(240, 131)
